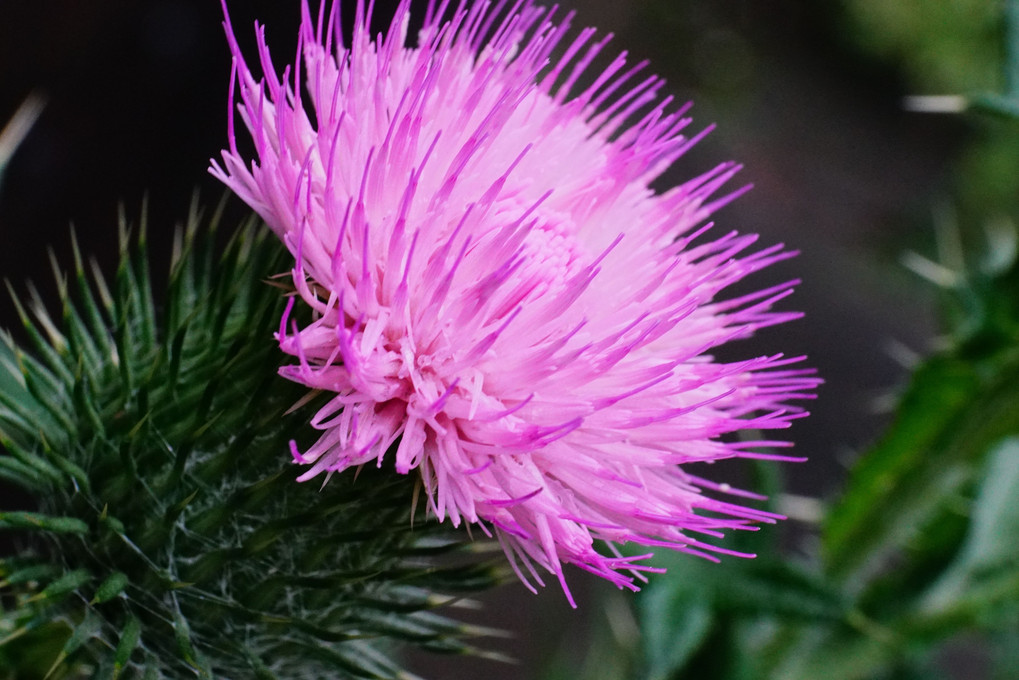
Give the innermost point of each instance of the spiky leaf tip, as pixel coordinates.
(168, 537)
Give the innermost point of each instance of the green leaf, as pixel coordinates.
(699, 604)
(40, 468)
(128, 641)
(17, 397)
(35, 572)
(67, 583)
(774, 587)
(186, 648)
(22, 475)
(952, 412)
(675, 623)
(989, 546)
(1005, 106)
(12, 383)
(113, 586)
(83, 632)
(40, 522)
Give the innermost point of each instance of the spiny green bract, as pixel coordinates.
(168, 537)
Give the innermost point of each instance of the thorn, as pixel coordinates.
(804, 509)
(19, 125)
(1002, 244)
(937, 103)
(902, 354)
(938, 274)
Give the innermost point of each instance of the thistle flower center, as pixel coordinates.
(552, 255)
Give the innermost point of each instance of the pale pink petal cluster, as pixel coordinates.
(497, 298)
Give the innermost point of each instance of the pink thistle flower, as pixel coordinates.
(499, 300)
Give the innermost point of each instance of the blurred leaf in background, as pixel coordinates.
(962, 47)
(944, 46)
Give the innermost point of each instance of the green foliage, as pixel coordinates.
(983, 577)
(944, 46)
(168, 537)
(957, 47)
(702, 608)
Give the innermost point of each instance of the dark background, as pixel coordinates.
(136, 105)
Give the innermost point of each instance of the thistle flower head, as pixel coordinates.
(497, 299)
